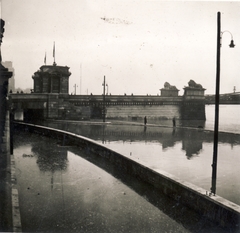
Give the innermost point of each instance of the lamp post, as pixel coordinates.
(215, 145)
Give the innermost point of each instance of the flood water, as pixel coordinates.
(61, 191)
(184, 152)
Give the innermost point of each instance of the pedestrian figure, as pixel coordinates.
(145, 120)
(174, 122)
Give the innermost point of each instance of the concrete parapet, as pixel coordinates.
(215, 208)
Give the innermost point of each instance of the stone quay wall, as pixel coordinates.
(215, 208)
(136, 112)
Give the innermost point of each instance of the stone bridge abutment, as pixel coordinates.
(84, 107)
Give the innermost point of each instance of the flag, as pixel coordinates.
(45, 59)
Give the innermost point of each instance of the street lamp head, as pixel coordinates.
(232, 45)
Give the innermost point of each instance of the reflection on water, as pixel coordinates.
(192, 143)
(192, 139)
(184, 152)
(56, 161)
(61, 191)
(193, 124)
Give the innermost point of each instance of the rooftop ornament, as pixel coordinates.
(193, 84)
(168, 86)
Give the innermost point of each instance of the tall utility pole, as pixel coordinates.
(215, 145)
(103, 111)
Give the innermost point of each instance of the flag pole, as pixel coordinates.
(45, 58)
(80, 78)
(54, 63)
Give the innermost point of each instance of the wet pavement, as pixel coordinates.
(67, 189)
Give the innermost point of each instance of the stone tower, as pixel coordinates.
(51, 79)
(193, 107)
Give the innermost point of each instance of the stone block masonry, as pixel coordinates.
(151, 111)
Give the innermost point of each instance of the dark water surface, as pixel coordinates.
(184, 152)
(62, 190)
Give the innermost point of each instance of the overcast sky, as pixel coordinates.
(137, 44)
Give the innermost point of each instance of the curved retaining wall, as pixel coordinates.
(215, 208)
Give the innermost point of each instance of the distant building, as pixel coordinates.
(11, 81)
(51, 79)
